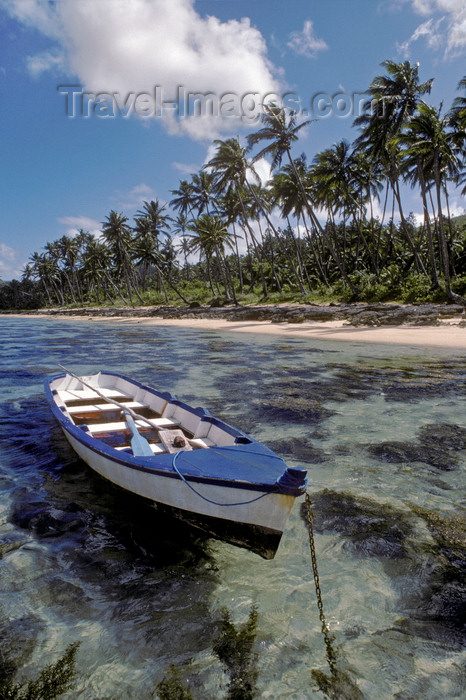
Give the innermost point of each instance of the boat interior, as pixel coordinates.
(117, 408)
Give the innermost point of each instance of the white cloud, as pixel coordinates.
(447, 31)
(305, 42)
(456, 208)
(431, 31)
(131, 46)
(135, 197)
(11, 265)
(263, 170)
(75, 223)
(46, 61)
(186, 168)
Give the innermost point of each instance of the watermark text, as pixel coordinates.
(79, 103)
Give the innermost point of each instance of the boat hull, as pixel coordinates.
(257, 525)
(219, 479)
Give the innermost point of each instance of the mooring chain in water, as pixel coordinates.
(331, 653)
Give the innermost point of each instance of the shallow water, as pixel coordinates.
(382, 432)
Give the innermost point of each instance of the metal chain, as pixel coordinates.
(331, 653)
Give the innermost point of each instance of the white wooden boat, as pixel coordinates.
(181, 458)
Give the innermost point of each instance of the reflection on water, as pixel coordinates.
(382, 433)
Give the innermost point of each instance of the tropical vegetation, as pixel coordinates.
(309, 233)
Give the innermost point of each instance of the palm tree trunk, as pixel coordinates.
(404, 227)
(443, 240)
(315, 222)
(278, 237)
(430, 240)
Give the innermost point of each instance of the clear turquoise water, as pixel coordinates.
(381, 427)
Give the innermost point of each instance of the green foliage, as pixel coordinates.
(20, 295)
(54, 680)
(171, 686)
(395, 286)
(459, 285)
(235, 649)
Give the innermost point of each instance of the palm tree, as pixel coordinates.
(46, 271)
(282, 132)
(184, 198)
(69, 249)
(341, 186)
(147, 254)
(287, 193)
(118, 236)
(158, 219)
(430, 140)
(156, 223)
(211, 236)
(457, 117)
(230, 168)
(457, 112)
(394, 99)
(95, 268)
(202, 189)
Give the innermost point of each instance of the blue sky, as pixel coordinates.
(65, 166)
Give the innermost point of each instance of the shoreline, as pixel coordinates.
(391, 324)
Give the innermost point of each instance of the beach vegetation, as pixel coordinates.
(333, 227)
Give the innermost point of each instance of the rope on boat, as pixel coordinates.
(204, 498)
(328, 637)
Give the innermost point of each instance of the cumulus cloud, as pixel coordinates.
(445, 29)
(130, 46)
(305, 42)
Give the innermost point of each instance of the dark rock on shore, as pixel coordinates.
(358, 314)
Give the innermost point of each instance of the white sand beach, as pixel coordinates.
(446, 335)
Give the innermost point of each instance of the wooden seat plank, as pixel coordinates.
(102, 407)
(168, 437)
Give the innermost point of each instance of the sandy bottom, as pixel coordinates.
(447, 335)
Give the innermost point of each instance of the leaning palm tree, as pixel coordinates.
(342, 187)
(287, 194)
(96, 269)
(430, 139)
(457, 116)
(147, 255)
(156, 223)
(184, 198)
(457, 113)
(202, 190)
(282, 131)
(118, 236)
(231, 175)
(230, 167)
(211, 236)
(394, 99)
(157, 218)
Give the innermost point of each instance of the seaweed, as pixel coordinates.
(235, 649)
(372, 528)
(171, 686)
(53, 680)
